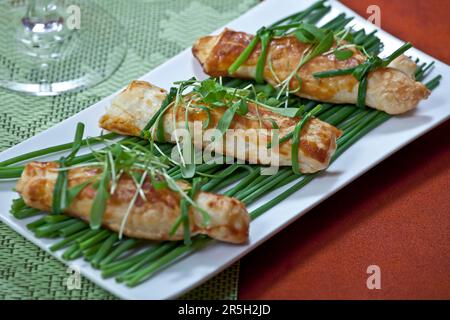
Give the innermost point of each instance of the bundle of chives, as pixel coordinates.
(136, 268)
(128, 259)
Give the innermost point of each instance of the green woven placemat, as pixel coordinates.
(156, 31)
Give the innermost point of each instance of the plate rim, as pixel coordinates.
(337, 6)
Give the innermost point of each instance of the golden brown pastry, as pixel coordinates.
(391, 90)
(150, 219)
(404, 64)
(133, 107)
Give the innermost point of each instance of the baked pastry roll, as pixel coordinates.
(150, 219)
(138, 103)
(392, 89)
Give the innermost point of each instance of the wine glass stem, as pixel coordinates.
(43, 28)
(41, 11)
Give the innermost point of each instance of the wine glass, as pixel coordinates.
(49, 47)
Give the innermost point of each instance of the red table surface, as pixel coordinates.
(396, 216)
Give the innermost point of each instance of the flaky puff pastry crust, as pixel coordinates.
(133, 107)
(389, 89)
(150, 219)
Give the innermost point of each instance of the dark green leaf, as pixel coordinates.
(59, 201)
(396, 54)
(188, 168)
(343, 54)
(244, 55)
(101, 197)
(274, 123)
(242, 108)
(296, 138)
(273, 102)
(77, 141)
(60, 193)
(265, 41)
(266, 89)
(287, 112)
(157, 116)
(184, 216)
(184, 206)
(176, 225)
(75, 190)
(159, 132)
(333, 73)
(289, 136)
(159, 184)
(208, 120)
(362, 89)
(196, 186)
(304, 36)
(212, 93)
(227, 118)
(323, 46)
(316, 33)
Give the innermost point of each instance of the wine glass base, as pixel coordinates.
(82, 59)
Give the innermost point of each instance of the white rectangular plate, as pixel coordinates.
(200, 266)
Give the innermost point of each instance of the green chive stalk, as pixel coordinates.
(54, 149)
